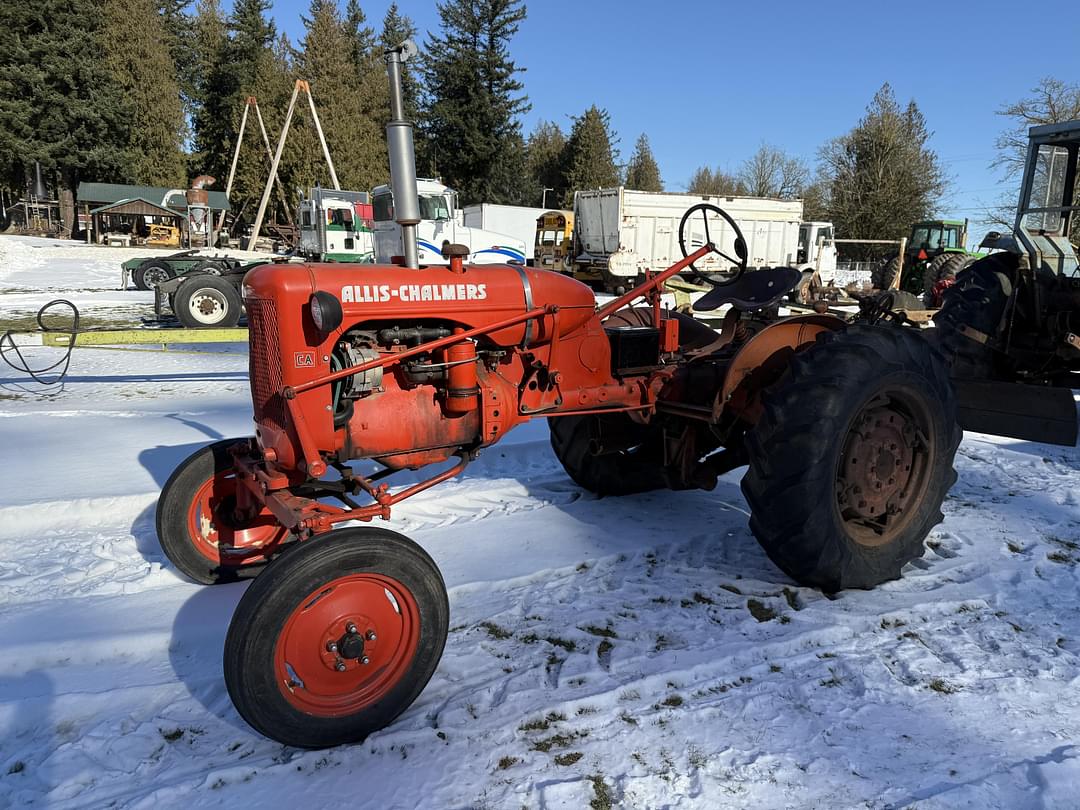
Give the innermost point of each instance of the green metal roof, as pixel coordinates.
(121, 203)
(104, 193)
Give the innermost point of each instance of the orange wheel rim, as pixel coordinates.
(219, 537)
(347, 644)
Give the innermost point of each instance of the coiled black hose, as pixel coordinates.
(8, 345)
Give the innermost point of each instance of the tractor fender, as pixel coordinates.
(763, 359)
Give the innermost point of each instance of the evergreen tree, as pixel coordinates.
(882, 175)
(180, 39)
(590, 158)
(327, 63)
(210, 93)
(473, 99)
(544, 153)
(642, 173)
(137, 55)
(397, 28)
(58, 102)
(714, 183)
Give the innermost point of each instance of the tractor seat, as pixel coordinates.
(755, 289)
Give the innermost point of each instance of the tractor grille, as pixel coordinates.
(264, 362)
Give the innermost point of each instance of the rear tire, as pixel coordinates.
(149, 274)
(944, 268)
(971, 315)
(639, 468)
(852, 458)
(881, 277)
(282, 675)
(207, 301)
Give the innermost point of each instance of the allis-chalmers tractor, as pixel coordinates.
(849, 432)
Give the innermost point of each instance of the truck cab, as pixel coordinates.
(817, 248)
(440, 223)
(336, 226)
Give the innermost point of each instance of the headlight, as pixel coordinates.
(325, 311)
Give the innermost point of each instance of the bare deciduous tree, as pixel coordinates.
(771, 172)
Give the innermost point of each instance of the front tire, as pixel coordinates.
(852, 458)
(295, 670)
(196, 526)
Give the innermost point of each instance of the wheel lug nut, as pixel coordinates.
(350, 628)
(370, 635)
(331, 646)
(365, 660)
(340, 666)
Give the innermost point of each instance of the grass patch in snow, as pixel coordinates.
(792, 599)
(542, 723)
(562, 740)
(508, 762)
(1060, 557)
(605, 632)
(732, 589)
(834, 681)
(1014, 547)
(760, 611)
(18, 767)
(942, 686)
(495, 631)
(672, 701)
(568, 759)
(602, 798)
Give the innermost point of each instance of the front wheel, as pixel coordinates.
(198, 527)
(852, 458)
(337, 638)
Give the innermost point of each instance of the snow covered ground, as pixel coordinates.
(623, 652)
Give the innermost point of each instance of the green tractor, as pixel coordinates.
(935, 253)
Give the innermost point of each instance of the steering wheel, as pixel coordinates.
(740, 243)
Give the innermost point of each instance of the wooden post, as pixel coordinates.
(322, 139)
(235, 157)
(895, 284)
(270, 154)
(274, 165)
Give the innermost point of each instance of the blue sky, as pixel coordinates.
(710, 81)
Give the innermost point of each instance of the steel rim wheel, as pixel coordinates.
(347, 644)
(208, 306)
(884, 467)
(153, 276)
(222, 540)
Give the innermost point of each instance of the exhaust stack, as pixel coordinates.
(399, 143)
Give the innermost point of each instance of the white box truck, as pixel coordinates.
(620, 233)
(516, 220)
(441, 222)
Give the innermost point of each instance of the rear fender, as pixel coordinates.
(763, 359)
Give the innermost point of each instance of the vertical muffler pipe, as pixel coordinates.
(399, 143)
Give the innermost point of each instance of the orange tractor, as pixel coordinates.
(849, 432)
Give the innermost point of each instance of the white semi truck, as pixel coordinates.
(620, 233)
(441, 222)
(336, 226)
(516, 220)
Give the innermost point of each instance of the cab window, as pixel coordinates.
(383, 208)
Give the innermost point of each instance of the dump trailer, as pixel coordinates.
(518, 221)
(620, 233)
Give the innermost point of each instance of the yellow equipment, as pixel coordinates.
(164, 236)
(554, 241)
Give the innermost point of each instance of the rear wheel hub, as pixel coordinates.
(883, 467)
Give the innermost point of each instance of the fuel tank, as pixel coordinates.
(477, 296)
